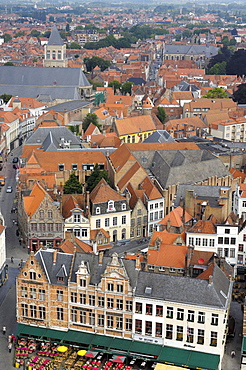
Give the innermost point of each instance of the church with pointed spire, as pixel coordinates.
(55, 50)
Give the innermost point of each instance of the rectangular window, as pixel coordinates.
(227, 231)
(119, 304)
(100, 320)
(220, 252)
(84, 233)
(106, 222)
(169, 312)
(73, 297)
(232, 253)
(138, 326)
(59, 295)
(42, 313)
(100, 301)
(128, 324)
(149, 309)
(59, 313)
(110, 321)
(240, 247)
(82, 283)
(169, 331)
(156, 215)
(201, 317)
(226, 252)
(110, 303)
(191, 315)
(33, 293)
(114, 221)
(214, 319)
(24, 309)
(91, 318)
(190, 335)
(226, 240)
(233, 241)
(139, 307)
(213, 339)
(191, 241)
(61, 167)
(24, 292)
(180, 314)
(180, 333)
(110, 287)
(211, 242)
(82, 298)
(82, 317)
(98, 224)
(74, 315)
(220, 240)
(49, 227)
(41, 294)
(128, 305)
(76, 218)
(204, 242)
(198, 241)
(42, 227)
(91, 300)
(151, 216)
(148, 327)
(200, 336)
(33, 311)
(123, 220)
(33, 227)
(158, 329)
(119, 288)
(159, 310)
(119, 323)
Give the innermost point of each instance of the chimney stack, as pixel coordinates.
(100, 261)
(55, 256)
(138, 263)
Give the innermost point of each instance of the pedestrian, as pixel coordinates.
(233, 354)
(9, 338)
(12, 338)
(10, 347)
(12, 259)
(4, 330)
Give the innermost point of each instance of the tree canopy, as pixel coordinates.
(115, 84)
(95, 177)
(237, 63)
(91, 63)
(161, 114)
(127, 88)
(5, 97)
(90, 118)
(216, 93)
(239, 95)
(72, 185)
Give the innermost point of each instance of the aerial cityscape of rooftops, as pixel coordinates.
(122, 186)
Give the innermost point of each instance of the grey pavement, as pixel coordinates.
(7, 317)
(235, 343)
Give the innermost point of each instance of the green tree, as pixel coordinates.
(51, 18)
(115, 84)
(5, 97)
(95, 177)
(96, 61)
(69, 20)
(186, 34)
(9, 64)
(74, 129)
(19, 34)
(7, 37)
(74, 45)
(237, 63)
(127, 87)
(67, 27)
(72, 185)
(35, 33)
(216, 93)
(161, 114)
(239, 95)
(90, 118)
(217, 69)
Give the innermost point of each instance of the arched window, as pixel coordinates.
(53, 54)
(97, 210)
(123, 206)
(111, 205)
(50, 214)
(123, 234)
(41, 214)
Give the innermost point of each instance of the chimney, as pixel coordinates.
(55, 256)
(189, 255)
(94, 247)
(210, 280)
(168, 225)
(100, 261)
(138, 263)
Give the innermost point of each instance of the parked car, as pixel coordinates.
(9, 189)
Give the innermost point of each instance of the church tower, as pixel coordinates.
(55, 50)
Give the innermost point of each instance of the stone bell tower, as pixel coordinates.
(55, 50)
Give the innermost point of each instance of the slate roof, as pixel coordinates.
(160, 136)
(69, 106)
(32, 82)
(202, 191)
(50, 138)
(55, 38)
(186, 290)
(181, 166)
(137, 80)
(60, 268)
(96, 270)
(179, 49)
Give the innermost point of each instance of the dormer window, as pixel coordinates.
(60, 279)
(110, 206)
(61, 167)
(74, 166)
(97, 210)
(123, 206)
(76, 218)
